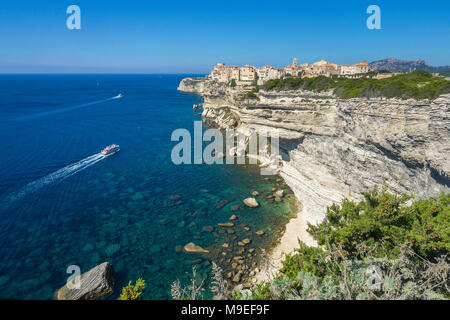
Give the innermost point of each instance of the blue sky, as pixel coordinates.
(191, 36)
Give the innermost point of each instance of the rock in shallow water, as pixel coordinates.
(279, 193)
(235, 207)
(112, 249)
(226, 224)
(193, 248)
(94, 284)
(221, 204)
(251, 202)
(208, 228)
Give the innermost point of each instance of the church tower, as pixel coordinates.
(294, 62)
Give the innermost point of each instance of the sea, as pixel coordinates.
(63, 204)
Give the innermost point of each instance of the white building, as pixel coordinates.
(247, 73)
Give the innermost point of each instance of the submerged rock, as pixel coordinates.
(233, 217)
(208, 228)
(251, 202)
(137, 196)
(87, 248)
(255, 193)
(196, 261)
(181, 224)
(176, 203)
(221, 204)
(193, 248)
(226, 224)
(244, 242)
(259, 232)
(112, 249)
(163, 221)
(235, 207)
(94, 284)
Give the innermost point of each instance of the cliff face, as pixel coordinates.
(193, 85)
(334, 148)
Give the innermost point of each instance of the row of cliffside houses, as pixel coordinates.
(245, 74)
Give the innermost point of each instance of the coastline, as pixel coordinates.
(334, 148)
(295, 231)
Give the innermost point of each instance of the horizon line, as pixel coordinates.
(97, 73)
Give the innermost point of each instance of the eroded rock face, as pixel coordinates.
(194, 85)
(94, 284)
(334, 148)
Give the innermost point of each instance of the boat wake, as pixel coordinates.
(58, 176)
(47, 113)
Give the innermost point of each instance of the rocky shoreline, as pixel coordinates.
(333, 148)
(235, 252)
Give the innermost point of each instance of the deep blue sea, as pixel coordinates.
(61, 204)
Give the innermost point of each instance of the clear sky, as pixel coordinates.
(191, 36)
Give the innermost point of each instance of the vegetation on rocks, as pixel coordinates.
(378, 248)
(384, 217)
(368, 278)
(194, 291)
(133, 292)
(252, 94)
(419, 84)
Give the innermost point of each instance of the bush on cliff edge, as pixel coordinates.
(379, 248)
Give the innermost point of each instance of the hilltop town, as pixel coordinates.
(247, 73)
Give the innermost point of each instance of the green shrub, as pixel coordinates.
(385, 218)
(250, 95)
(383, 247)
(133, 292)
(419, 84)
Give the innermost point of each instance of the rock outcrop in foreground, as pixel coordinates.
(334, 148)
(94, 284)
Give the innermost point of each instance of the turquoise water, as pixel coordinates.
(62, 205)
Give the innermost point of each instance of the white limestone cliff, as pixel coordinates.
(334, 148)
